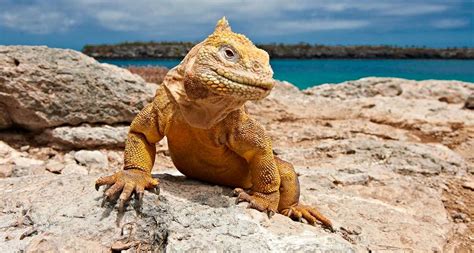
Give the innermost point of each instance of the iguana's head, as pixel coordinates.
(229, 64)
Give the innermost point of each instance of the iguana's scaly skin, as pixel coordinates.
(199, 108)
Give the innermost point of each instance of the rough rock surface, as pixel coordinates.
(93, 158)
(470, 102)
(44, 87)
(84, 136)
(188, 215)
(389, 161)
(452, 92)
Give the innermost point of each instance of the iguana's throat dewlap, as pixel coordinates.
(202, 112)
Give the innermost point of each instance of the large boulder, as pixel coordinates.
(84, 136)
(380, 194)
(451, 92)
(187, 216)
(43, 87)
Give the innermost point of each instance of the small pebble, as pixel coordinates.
(468, 185)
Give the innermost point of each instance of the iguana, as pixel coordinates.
(200, 109)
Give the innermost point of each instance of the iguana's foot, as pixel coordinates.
(263, 202)
(127, 182)
(310, 214)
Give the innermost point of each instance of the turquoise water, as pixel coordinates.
(307, 73)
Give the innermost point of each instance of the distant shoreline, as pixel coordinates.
(308, 73)
(177, 50)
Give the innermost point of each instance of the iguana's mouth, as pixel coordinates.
(247, 81)
(229, 83)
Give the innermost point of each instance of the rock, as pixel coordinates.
(71, 169)
(367, 145)
(468, 185)
(367, 87)
(447, 91)
(351, 179)
(451, 92)
(188, 216)
(92, 159)
(85, 136)
(5, 120)
(7, 153)
(54, 166)
(43, 87)
(25, 148)
(6, 170)
(42, 244)
(460, 217)
(469, 102)
(27, 166)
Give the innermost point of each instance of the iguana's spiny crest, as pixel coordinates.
(229, 64)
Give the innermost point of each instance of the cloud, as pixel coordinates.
(185, 17)
(386, 8)
(116, 20)
(298, 26)
(414, 9)
(36, 20)
(450, 23)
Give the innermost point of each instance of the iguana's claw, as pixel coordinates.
(125, 183)
(139, 201)
(263, 202)
(155, 190)
(108, 180)
(310, 214)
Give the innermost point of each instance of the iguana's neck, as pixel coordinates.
(199, 112)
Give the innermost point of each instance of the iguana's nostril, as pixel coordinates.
(256, 66)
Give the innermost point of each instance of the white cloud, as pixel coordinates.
(154, 17)
(449, 23)
(414, 9)
(376, 7)
(36, 20)
(116, 20)
(151, 17)
(383, 8)
(289, 27)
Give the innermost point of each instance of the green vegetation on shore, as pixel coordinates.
(173, 50)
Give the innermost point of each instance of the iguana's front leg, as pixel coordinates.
(248, 139)
(139, 157)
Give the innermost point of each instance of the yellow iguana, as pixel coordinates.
(200, 109)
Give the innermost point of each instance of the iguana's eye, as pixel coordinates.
(229, 54)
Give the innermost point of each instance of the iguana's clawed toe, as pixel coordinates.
(310, 214)
(108, 180)
(138, 201)
(156, 190)
(262, 202)
(125, 183)
(270, 214)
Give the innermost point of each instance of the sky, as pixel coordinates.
(72, 24)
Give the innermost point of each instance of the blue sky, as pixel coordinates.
(71, 24)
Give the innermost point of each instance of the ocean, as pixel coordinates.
(308, 73)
